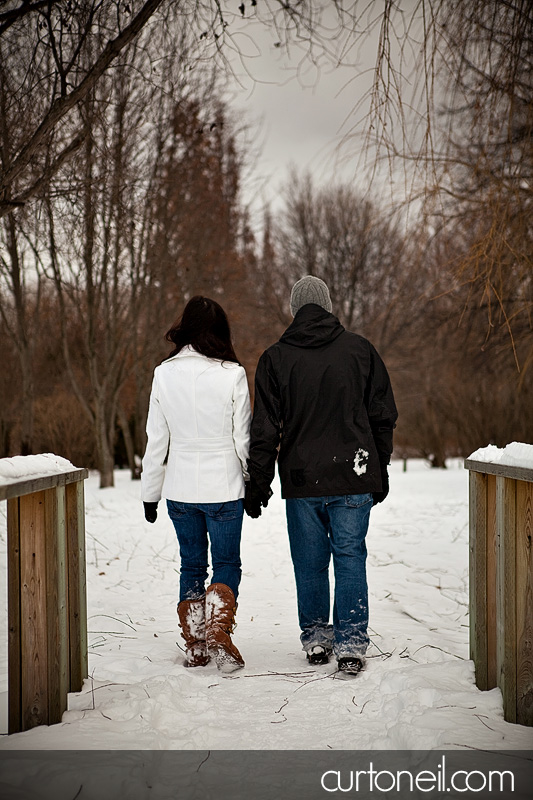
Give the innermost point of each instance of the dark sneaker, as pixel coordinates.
(350, 664)
(318, 654)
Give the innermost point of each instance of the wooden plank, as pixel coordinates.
(34, 647)
(13, 611)
(57, 627)
(75, 514)
(503, 470)
(478, 575)
(506, 594)
(524, 603)
(40, 483)
(490, 598)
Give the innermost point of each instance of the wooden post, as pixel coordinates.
(478, 576)
(14, 674)
(77, 585)
(57, 603)
(501, 584)
(34, 618)
(490, 597)
(505, 627)
(524, 603)
(46, 596)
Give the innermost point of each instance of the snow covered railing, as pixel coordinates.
(47, 607)
(501, 574)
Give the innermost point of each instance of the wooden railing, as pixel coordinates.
(47, 608)
(501, 584)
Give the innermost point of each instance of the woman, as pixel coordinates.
(198, 433)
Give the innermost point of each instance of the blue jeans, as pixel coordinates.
(194, 522)
(321, 528)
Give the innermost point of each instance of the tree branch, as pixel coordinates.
(46, 175)
(63, 105)
(8, 18)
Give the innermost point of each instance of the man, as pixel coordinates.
(323, 397)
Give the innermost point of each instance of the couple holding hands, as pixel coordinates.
(324, 409)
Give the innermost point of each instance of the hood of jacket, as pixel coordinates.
(312, 326)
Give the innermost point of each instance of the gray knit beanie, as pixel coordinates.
(309, 290)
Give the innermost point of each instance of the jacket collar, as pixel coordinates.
(312, 326)
(187, 350)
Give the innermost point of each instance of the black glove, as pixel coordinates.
(379, 497)
(150, 511)
(254, 498)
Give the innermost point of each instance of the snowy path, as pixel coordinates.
(416, 693)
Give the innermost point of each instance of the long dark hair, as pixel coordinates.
(205, 326)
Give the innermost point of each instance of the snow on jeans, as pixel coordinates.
(196, 525)
(320, 528)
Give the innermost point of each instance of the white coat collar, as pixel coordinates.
(187, 351)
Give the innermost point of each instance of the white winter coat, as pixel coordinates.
(199, 416)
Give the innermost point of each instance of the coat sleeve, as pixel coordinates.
(266, 425)
(153, 463)
(241, 419)
(380, 405)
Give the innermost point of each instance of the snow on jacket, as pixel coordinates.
(198, 431)
(323, 395)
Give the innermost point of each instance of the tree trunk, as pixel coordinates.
(22, 334)
(104, 449)
(128, 442)
(26, 433)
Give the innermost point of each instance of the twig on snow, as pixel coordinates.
(407, 614)
(407, 655)
(484, 723)
(286, 703)
(314, 680)
(385, 655)
(110, 617)
(434, 647)
(281, 674)
(92, 688)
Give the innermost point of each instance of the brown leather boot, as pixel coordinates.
(191, 614)
(220, 608)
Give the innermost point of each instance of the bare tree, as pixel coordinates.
(55, 41)
(451, 100)
(351, 243)
(20, 290)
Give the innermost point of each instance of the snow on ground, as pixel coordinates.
(418, 689)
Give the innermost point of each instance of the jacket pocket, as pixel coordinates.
(357, 500)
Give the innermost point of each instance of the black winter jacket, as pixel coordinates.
(323, 395)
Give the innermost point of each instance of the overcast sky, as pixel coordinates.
(299, 119)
